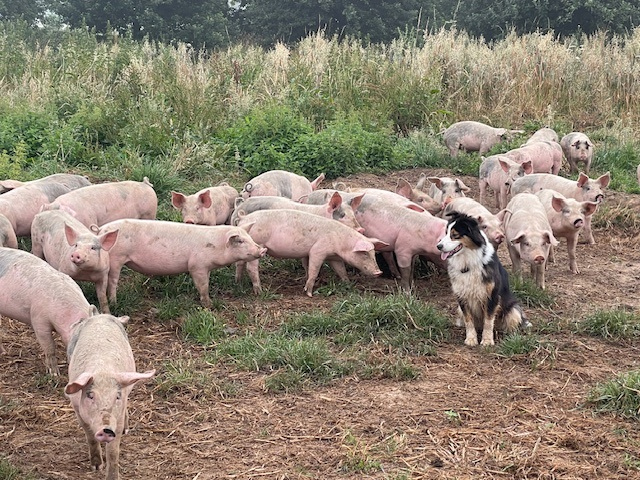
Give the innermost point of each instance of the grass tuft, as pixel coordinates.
(620, 395)
(615, 324)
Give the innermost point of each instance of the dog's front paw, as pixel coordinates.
(471, 341)
(487, 342)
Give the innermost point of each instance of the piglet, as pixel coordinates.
(35, 293)
(584, 189)
(102, 373)
(21, 204)
(334, 208)
(280, 183)
(105, 202)
(577, 148)
(567, 217)
(314, 239)
(445, 189)
(155, 247)
(499, 172)
(545, 156)
(543, 134)
(209, 206)
(528, 235)
(418, 196)
(473, 136)
(70, 247)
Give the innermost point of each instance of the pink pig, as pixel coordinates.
(334, 208)
(473, 136)
(545, 156)
(417, 195)
(499, 172)
(280, 183)
(567, 217)
(102, 373)
(70, 247)
(584, 189)
(21, 204)
(445, 189)
(35, 293)
(210, 206)
(105, 202)
(69, 181)
(7, 235)
(406, 231)
(577, 148)
(155, 247)
(529, 235)
(296, 234)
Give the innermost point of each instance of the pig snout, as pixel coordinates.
(599, 198)
(539, 260)
(190, 221)
(578, 223)
(498, 238)
(77, 257)
(360, 230)
(105, 435)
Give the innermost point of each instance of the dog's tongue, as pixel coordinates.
(444, 255)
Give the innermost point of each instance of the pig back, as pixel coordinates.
(99, 343)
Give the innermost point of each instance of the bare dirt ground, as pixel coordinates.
(471, 414)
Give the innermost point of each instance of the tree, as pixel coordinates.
(493, 19)
(269, 21)
(202, 23)
(28, 10)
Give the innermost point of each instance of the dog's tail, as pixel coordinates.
(515, 318)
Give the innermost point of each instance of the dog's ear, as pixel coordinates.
(475, 233)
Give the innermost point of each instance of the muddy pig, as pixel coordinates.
(21, 204)
(577, 148)
(280, 183)
(102, 373)
(154, 247)
(584, 190)
(487, 221)
(35, 293)
(296, 234)
(528, 234)
(70, 247)
(499, 172)
(105, 202)
(210, 206)
(567, 217)
(334, 208)
(7, 235)
(474, 137)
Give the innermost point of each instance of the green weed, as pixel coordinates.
(615, 324)
(620, 395)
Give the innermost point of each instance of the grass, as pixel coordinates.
(617, 324)
(10, 472)
(620, 395)
(529, 294)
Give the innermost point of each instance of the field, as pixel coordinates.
(469, 413)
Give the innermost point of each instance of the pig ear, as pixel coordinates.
(462, 186)
(379, 244)
(303, 199)
(10, 184)
(335, 201)
(205, 199)
(421, 180)
(355, 202)
(527, 167)
(70, 233)
(108, 240)
(558, 203)
(518, 238)
(246, 226)
(177, 199)
(503, 164)
(126, 379)
(589, 208)
(604, 180)
(403, 188)
(582, 179)
(436, 181)
(415, 207)
(84, 379)
(500, 215)
(548, 236)
(123, 319)
(317, 181)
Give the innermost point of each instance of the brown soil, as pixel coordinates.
(471, 414)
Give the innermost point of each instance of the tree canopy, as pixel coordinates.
(215, 23)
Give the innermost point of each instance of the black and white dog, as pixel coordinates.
(479, 281)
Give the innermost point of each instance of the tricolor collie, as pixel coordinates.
(478, 280)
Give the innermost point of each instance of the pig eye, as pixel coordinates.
(95, 247)
(90, 395)
(119, 396)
